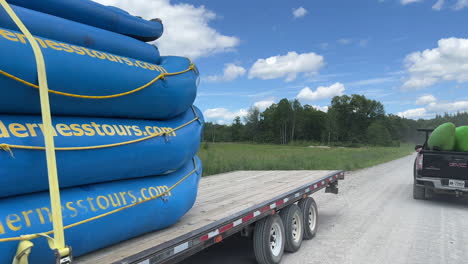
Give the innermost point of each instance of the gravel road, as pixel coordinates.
(373, 219)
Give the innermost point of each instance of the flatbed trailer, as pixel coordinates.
(250, 202)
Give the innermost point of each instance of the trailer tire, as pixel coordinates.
(269, 239)
(293, 221)
(419, 192)
(310, 213)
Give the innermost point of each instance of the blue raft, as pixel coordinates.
(71, 32)
(29, 214)
(92, 150)
(87, 82)
(97, 15)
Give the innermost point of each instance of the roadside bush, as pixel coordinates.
(206, 145)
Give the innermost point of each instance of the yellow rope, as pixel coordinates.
(33, 236)
(161, 76)
(8, 147)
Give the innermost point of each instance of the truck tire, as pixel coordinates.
(293, 221)
(310, 213)
(419, 192)
(269, 240)
(428, 193)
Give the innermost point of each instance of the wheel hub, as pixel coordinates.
(312, 218)
(276, 239)
(296, 228)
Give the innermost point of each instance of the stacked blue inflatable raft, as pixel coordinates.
(125, 128)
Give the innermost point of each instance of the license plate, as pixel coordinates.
(457, 183)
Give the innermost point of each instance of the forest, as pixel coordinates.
(350, 121)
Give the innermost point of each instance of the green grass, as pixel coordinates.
(224, 157)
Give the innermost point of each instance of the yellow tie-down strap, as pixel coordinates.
(59, 238)
(9, 147)
(161, 76)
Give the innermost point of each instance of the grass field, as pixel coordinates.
(224, 157)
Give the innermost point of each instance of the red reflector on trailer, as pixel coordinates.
(226, 227)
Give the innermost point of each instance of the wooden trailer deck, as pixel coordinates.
(222, 199)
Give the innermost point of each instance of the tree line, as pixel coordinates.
(350, 120)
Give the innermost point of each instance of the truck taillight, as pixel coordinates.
(419, 162)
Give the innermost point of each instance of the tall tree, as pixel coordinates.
(283, 115)
(354, 114)
(236, 129)
(252, 124)
(296, 111)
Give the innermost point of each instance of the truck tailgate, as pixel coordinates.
(450, 165)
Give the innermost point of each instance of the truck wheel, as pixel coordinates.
(310, 213)
(269, 240)
(419, 192)
(293, 221)
(428, 193)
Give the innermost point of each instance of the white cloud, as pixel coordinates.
(262, 105)
(440, 108)
(186, 27)
(426, 99)
(299, 12)
(345, 41)
(324, 45)
(414, 113)
(321, 108)
(447, 62)
(348, 41)
(461, 4)
(438, 5)
(372, 81)
(223, 115)
(322, 92)
(289, 66)
(435, 108)
(405, 2)
(363, 43)
(230, 73)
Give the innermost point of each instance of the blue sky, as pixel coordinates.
(410, 55)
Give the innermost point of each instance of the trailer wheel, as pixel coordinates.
(293, 220)
(310, 212)
(269, 240)
(419, 192)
